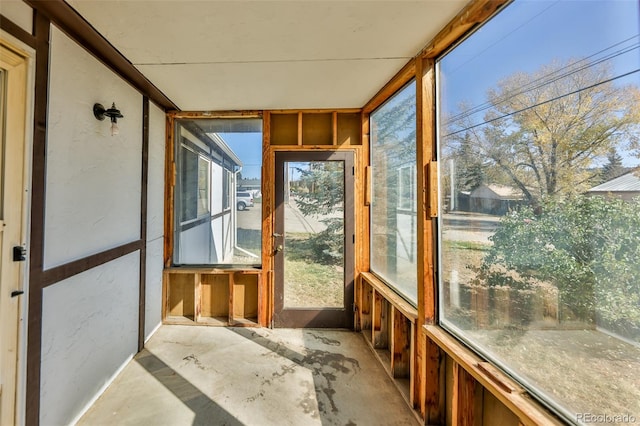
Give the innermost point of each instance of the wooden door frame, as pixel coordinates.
(18, 64)
(325, 317)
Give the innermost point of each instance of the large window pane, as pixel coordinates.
(539, 115)
(218, 192)
(393, 213)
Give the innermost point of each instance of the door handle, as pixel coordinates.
(276, 235)
(279, 248)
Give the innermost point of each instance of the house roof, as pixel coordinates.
(629, 182)
(253, 55)
(502, 192)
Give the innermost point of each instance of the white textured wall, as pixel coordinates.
(93, 189)
(155, 220)
(89, 330)
(93, 178)
(19, 13)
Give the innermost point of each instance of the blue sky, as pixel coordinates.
(531, 33)
(247, 146)
(536, 33)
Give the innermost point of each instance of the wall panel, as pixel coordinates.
(155, 221)
(89, 330)
(93, 179)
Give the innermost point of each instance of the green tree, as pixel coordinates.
(613, 168)
(319, 192)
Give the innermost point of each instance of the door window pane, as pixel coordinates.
(314, 234)
(539, 181)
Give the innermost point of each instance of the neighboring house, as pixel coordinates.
(494, 199)
(205, 200)
(625, 187)
(253, 185)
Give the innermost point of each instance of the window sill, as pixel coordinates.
(510, 393)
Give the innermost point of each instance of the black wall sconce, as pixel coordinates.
(113, 113)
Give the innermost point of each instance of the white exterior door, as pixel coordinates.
(13, 107)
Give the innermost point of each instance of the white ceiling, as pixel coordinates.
(239, 54)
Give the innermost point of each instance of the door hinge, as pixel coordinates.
(19, 254)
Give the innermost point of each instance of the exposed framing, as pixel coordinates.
(431, 345)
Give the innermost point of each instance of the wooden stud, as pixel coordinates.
(380, 313)
(170, 182)
(231, 284)
(268, 209)
(401, 78)
(463, 398)
(400, 345)
(334, 128)
(299, 128)
(474, 14)
(197, 295)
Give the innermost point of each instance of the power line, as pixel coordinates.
(543, 103)
(505, 36)
(549, 78)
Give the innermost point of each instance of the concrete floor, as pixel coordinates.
(252, 376)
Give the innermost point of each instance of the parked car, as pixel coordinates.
(244, 199)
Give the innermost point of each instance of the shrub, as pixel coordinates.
(588, 247)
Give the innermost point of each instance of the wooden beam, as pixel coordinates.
(169, 190)
(316, 111)
(401, 78)
(216, 114)
(67, 270)
(474, 14)
(16, 31)
(42, 29)
(427, 355)
(265, 311)
(143, 223)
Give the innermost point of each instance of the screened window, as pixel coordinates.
(215, 158)
(393, 216)
(539, 233)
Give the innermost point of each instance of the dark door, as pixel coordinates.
(314, 239)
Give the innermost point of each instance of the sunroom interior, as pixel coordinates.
(457, 183)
